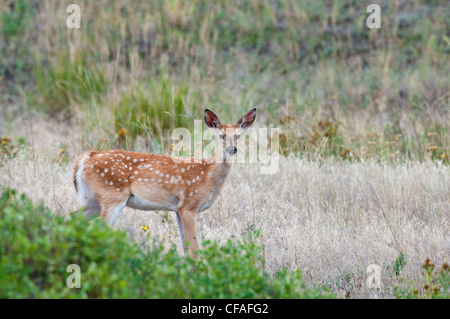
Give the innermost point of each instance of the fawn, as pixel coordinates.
(108, 181)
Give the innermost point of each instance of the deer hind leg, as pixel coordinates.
(111, 211)
(189, 233)
(85, 195)
(90, 202)
(92, 209)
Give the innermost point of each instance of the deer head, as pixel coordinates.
(228, 133)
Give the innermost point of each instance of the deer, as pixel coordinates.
(108, 181)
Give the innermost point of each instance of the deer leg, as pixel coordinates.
(180, 230)
(111, 212)
(92, 209)
(190, 235)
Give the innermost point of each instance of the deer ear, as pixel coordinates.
(247, 120)
(212, 120)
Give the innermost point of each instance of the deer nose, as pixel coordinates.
(231, 150)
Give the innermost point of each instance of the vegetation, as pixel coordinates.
(113, 266)
(399, 263)
(434, 284)
(363, 117)
(71, 82)
(334, 87)
(154, 107)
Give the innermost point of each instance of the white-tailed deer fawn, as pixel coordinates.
(108, 181)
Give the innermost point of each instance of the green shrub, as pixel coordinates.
(399, 263)
(37, 246)
(433, 284)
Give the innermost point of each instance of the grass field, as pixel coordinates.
(339, 219)
(363, 115)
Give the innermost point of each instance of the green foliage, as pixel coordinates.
(14, 53)
(433, 284)
(36, 247)
(399, 263)
(15, 20)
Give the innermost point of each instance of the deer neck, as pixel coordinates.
(221, 167)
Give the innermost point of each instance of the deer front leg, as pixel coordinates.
(180, 230)
(189, 232)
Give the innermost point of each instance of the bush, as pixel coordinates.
(37, 246)
(433, 284)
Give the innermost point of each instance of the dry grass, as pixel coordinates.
(328, 217)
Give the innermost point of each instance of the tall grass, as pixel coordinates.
(384, 91)
(67, 83)
(156, 105)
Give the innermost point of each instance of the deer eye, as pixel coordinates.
(221, 136)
